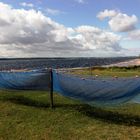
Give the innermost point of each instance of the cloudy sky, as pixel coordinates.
(69, 28)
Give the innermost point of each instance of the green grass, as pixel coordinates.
(26, 115)
(111, 71)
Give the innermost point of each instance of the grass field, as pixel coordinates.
(111, 71)
(26, 115)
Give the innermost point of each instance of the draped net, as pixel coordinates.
(28, 80)
(98, 91)
(94, 91)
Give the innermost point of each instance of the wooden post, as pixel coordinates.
(90, 70)
(51, 88)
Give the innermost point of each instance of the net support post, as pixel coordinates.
(51, 89)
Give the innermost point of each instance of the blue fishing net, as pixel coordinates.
(97, 91)
(28, 80)
(94, 91)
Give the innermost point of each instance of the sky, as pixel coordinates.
(69, 28)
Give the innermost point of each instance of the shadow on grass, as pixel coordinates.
(110, 116)
(92, 112)
(104, 115)
(26, 101)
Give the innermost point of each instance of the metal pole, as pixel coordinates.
(51, 88)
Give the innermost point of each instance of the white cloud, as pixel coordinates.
(119, 22)
(53, 11)
(134, 35)
(123, 23)
(95, 38)
(24, 4)
(134, 51)
(106, 13)
(26, 33)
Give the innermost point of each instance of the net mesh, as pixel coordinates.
(28, 80)
(98, 91)
(94, 91)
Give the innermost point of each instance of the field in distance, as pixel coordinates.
(132, 71)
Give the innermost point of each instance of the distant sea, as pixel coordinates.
(38, 63)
